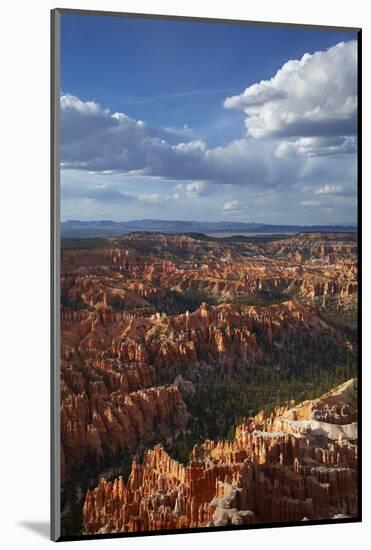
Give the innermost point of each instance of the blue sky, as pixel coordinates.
(172, 119)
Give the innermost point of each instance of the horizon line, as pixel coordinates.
(352, 224)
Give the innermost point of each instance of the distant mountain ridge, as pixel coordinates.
(108, 228)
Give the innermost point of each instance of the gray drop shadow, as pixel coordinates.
(41, 528)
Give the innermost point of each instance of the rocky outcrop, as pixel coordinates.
(263, 475)
(224, 334)
(144, 272)
(338, 406)
(328, 246)
(98, 422)
(148, 320)
(115, 343)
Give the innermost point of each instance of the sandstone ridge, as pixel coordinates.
(265, 474)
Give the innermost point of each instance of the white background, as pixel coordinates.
(24, 289)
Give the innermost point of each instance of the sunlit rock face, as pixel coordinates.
(287, 466)
(141, 271)
(110, 396)
(147, 322)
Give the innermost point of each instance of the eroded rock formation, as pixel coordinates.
(280, 467)
(147, 320)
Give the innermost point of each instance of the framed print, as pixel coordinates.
(205, 274)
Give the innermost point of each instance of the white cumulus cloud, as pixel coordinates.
(230, 205)
(311, 203)
(329, 189)
(301, 138)
(316, 146)
(196, 188)
(312, 96)
(96, 140)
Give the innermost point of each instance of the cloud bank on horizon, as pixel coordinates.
(295, 163)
